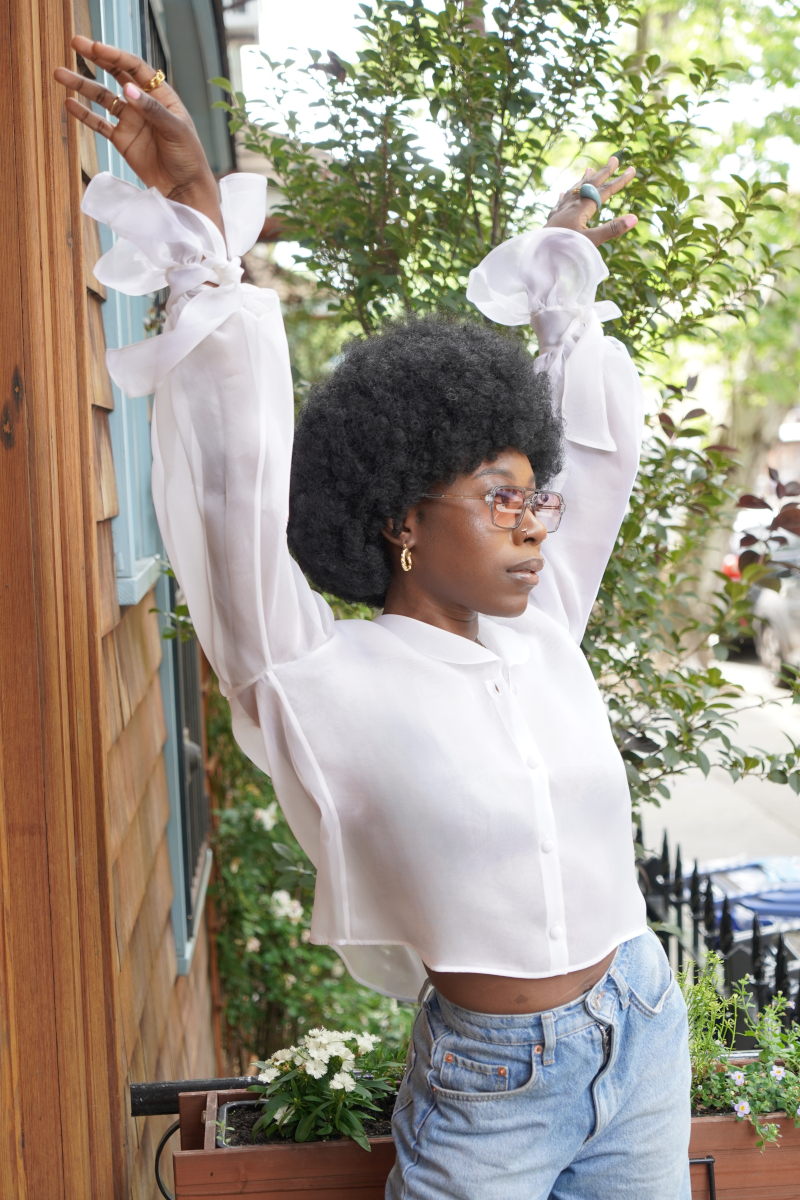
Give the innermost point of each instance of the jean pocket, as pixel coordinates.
(462, 1075)
(652, 982)
(495, 1078)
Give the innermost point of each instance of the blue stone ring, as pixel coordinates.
(587, 191)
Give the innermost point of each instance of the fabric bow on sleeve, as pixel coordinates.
(164, 244)
(549, 278)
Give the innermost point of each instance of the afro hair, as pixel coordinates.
(420, 403)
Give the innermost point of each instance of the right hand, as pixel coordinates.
(154, 133)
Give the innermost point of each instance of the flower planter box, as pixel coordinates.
(335, 1170)
(340, 1170)
(741, 1171)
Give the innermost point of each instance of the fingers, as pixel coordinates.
(87, 117)
(600, 177)
(611, 229)
(126, 67)
(153, 112)
(88, 88)
(616, 185)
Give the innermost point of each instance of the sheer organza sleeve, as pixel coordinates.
(549, 279)
(223, 422)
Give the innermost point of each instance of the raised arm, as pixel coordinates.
(223, 418)
(549, 278)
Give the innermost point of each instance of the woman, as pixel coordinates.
(448, 767)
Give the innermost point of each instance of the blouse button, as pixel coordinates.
(532, 763)
(448, 1058)
(547, 846)
(556, 932)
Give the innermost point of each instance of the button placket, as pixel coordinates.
(549, 862)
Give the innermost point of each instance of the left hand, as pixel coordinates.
(572, 212)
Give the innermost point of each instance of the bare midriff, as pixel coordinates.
(504, 994)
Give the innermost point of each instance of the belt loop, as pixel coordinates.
(621, 986)
(424, 992)
(549, 1026)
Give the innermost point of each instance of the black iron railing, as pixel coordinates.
(692, 917)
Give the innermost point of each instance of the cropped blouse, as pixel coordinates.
(464, 804)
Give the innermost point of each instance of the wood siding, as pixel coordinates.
(164, 1020)
(89, 996)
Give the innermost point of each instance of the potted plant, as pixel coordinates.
(302, 1128)
(745, 1109)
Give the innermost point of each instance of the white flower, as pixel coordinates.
(777, 1072)
(316, 1069)
(366, 1042)
(299, 1060)
(741, 1108)
(253, 945)
(342, 1080)
(279, 1113)
(318, 1053)
(268, 817)
(798, 1111)
(268, 1075)
(339, 1049)
(315, 1033)
(305, 936)
(284, 907)
(737, 1077)
(282, 1056)
(349, 1064)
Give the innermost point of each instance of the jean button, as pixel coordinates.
(548, 846)
(556, 932)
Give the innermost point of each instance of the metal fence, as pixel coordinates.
(694, 915)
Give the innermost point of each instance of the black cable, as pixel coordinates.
(174, 1127)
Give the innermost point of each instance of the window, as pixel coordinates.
(144, 28)
(190, 816)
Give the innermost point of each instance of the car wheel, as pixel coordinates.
(768, 648)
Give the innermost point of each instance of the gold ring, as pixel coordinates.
(112, 112)
(155, 82)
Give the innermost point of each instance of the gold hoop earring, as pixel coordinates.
(405, 559)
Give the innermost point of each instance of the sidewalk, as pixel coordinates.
(715, 818)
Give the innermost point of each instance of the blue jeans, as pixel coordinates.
(589, 1101)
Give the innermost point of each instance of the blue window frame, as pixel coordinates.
(144, 27)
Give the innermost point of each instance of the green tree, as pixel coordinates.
(760, 356)
(386, 230)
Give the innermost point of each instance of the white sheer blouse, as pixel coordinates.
(464, 804)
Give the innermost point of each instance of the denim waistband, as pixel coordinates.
(596, 1005)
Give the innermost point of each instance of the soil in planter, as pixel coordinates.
(240, 1122)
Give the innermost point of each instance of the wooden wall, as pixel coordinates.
(164, 1019)
(89, 997)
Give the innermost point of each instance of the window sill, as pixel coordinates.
(131, 588)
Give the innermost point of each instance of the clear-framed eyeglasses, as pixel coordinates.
(508, 504)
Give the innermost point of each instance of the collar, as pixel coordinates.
(499, 642)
